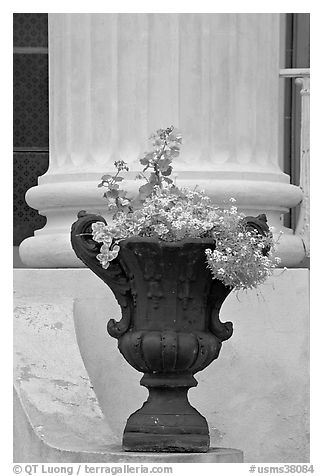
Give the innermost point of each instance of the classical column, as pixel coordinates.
(115, 78)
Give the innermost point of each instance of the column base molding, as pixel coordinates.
(60, 201)
(54, 251)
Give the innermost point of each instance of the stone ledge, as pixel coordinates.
(263, 373)
(31, 446)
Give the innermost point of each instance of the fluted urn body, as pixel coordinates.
(169, 330)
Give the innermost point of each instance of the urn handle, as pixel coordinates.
(258, 224)
(86, 249)
(217, 295)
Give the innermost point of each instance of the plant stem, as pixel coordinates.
(158, 175)
(156, 169)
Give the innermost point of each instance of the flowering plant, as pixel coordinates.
(243, 258)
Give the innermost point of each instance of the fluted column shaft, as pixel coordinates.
(115, 78)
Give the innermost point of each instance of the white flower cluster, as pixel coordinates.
(106, 235)
(170, 216)
(239, 259)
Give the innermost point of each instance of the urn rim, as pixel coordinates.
(165, 243)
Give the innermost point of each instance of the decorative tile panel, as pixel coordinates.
(30, 29)
(27, 166)
(30, 117)
(30, 100)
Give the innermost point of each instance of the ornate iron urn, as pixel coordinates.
(169, 330)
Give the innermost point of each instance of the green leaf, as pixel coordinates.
(177, 191)
(115, 186)
(145, 190)
(164, 164)
(144, 161)
(175, 136)
(118, 179)
(112, 193)
(106, 177)
(153, 180)
(158, 143)
(174, 146)
(174, 153)
(168, 171)
(108, 195)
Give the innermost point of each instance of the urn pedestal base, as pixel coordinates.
(151, 443)
(166, 422)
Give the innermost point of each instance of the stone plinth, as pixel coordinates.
(32, 447)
